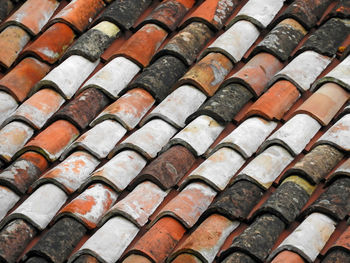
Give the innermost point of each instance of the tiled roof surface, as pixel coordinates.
(142, 131)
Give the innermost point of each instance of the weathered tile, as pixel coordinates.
(187, 44)
(124, 13)
(225, 103)
(238, 257)
(328, 37)
(129, 109)
(309, 237)
(40, 207)
(38, 108)
(295, 134)
(208, 73)
(109, 242)
(343, 241)
(84, 108)
(342, 171)
(288, 200)
(334, 202)
(139, 205)
(341, 10)
(113, 77)
(58, 242)
(275, 102)
(339, 75)
(32, 15)
(159, 240)
(336, 256)
(93, 42)
(256, 74)
(198, 135)
(267, 166)
(324, 103)
(14, 238)
(177, 106)
(306, 12)
(258, 12)
(120, 170)
(338, 135)
(23, 172)
(48, 47)
(207, 239)
(89, 207)
(288, 256)
(149, 35)
(99, 140)
(79, 14)
(67, 77)
(12, 41)
(213, 13)
(148, 140)
(133, 258)
(236, 201)
(232, 44)
(168, 14)
(52, 141)
(218, 169)
(5, 8)
(71, 173)
(12, 138)
(37, 260)
(258, 239)
(159, 78)
(303, 70)
(21, 79)
(8, 199)
(7, 106)
(315, 165)
(168, 168)
(189, 204)
(282, 39)
(85, 258)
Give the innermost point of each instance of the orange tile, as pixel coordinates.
(22, 78)
(275, 102)
(52, 141)
(48, 47)
(288, 257)
(150, 36)
(188, 258)
(208, 73)
(12, 41)
(324, 103)
(136, 259)
(79, 14)
(257, 72)
(344, 240)
(186, 3)
(160, 240)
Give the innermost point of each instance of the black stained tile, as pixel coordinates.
(258, 239)
(187, 44)
(334, 202)
(237, 201)
(86, 259)
(341, 10)
(225, 103)
(37, 260)
(168, 168)
(84, 108)
(337, 256)
(60, 240)
(14, 238)
(238, 257)
(327, 38)
(124, 13)
(315, 165)
(286, 202)
(5, 8)
(159, 77)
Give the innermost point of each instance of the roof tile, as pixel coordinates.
(89, 207)
(343, 240)
(133, 258)
(7, 106)
(288, 256)
(5, 8)
(21, 79)
(168, 168)
(342, 10)
(85, 258)
(341, 171)
(238, 257)
(7, 200)
(36, 260)
(337, 256)
(185, 257)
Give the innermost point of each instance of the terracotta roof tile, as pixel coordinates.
(133, 258)
(342, 10)
(185, 257)
(341, 171)
(238, 257)
(7, 106)
(85, 258)
(7, 201)
(288, 256)
(343, 241)
(337, 256)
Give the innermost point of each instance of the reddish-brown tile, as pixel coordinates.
(188, 258)
(344, 240)
(32, 15)
(208, 73)
(52, 141)
(288, 257)
(324, 103)
(51, 45)
(20, 80)
(160, 240)
(150, 36)
(12, 41)
(136, 259)
(341, 10)
(273, 104)
(79, 13)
